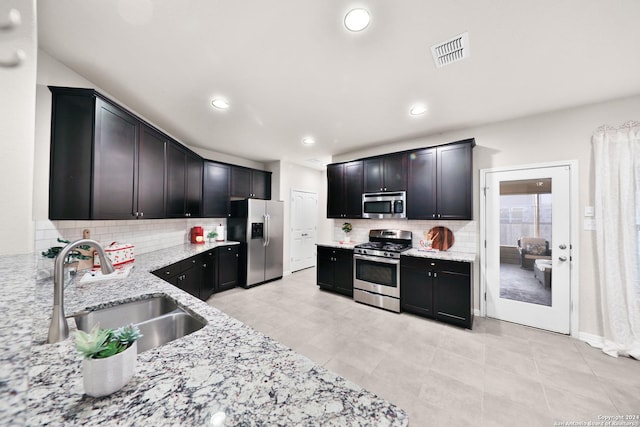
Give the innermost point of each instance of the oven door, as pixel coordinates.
(376, 274)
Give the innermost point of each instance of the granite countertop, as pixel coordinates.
(225, 367)
(341, 244)
(446, 255)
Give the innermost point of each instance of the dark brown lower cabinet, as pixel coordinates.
(202, 275)
(227, 268)
(439, 289)
(334, 270)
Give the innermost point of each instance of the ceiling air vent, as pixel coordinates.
(452, 50)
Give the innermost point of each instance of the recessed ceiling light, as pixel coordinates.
(307, 140)
(356, 19)
(418, 110)
(220, 103)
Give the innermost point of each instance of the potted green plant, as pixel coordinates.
(109, 358)
(212, 236)
(346, 227)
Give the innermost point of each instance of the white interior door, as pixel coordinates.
(304, 220)
(526, 283)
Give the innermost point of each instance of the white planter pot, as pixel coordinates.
(102, 377)
(347, 238)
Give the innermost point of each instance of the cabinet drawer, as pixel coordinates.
(169, 271)
(417, 263)
(435, 264)
(229, 249)
(454, 267)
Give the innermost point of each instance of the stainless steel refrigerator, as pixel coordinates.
(258, 226)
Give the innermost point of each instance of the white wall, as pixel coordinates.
(553, 136)
(17, 111)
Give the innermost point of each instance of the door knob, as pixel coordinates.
(562, 258)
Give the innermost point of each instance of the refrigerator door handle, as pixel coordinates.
(267, 224)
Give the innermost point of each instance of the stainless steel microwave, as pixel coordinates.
(384, 205)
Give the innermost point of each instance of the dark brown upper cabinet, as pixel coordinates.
(216, 190)
(385, 173)
(250, 183)
(104, 163)
(184, 182)
(151, 173)
(107, 163)
(440, 182)
(344, 190)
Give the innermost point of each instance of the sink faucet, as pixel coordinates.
(59, 328)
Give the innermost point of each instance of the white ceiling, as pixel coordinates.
(290, 69)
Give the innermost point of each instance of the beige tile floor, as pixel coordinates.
(498, 374)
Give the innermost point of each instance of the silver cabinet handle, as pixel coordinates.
(563, 246)
(562, 258)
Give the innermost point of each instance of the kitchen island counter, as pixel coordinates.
(225, 370)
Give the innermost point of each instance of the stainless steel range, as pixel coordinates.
(376, 272)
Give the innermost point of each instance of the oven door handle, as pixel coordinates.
(395, 261)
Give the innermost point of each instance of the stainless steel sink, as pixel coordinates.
(159, 318)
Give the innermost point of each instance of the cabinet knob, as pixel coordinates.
(141, 214)
(433, 215)
(435, 274)
(193, 261)
(167, 273)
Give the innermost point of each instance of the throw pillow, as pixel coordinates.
(536, 249)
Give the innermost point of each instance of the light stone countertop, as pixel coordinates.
(445, 255)
(224, 367)
(340, 244)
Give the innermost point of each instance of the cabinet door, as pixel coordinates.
(452, 294)
(421, 186)
(72, 135)
(395, 172)
(227, 267)
(335, 191)
(215, 190)
(207, 262)
(116, 137)
(151, 170)
(240, 182)
(343, 271)
(261, 184)
(176, 181)
(325, 267)
(416, 292)
(193, 189)
(373, 175)
(454, 182)
(353, 184)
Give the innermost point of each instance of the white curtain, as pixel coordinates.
(617, 215)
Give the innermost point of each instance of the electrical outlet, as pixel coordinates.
(589, 211)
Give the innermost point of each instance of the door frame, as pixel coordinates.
(291, 237)
(574, 217)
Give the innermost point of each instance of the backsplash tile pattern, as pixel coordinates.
(147, 235)
(465, 232)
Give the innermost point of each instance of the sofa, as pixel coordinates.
(531, 249)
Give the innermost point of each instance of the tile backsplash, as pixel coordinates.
(465, 232)
(147, 235)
